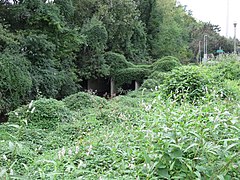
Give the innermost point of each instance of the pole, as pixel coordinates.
(235, 40)
(205, 48)
(199, 51)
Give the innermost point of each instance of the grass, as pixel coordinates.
(143, 135)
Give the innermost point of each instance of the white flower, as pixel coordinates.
(89, 150)
(131, 166)
(11, 171)
(77, 149)
(63, 151)
(33, 109)
(59, 154)
(30, 105)
(69, 152)
(148, 107)
(81, 164)
(5, 157)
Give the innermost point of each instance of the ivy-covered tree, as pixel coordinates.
(90, 60)
(126, 32)
(52, 44)
(15, 79)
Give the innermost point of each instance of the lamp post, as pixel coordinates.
(205, 48)
(199, 51)
(235, 40)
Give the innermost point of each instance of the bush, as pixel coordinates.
(116, 61)
(187, 82)
(166, 64)
(150, 84)
(155, 79)
(228, 89)
(81, 101)
(42, 113)
(193, 83)
(229, 69)
(159, 76)
(128, 75)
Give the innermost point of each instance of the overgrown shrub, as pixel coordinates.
(187, 82)
(155, 79)
(81, 101)
(42, 113)
(116, 61)
(166, 64)
(193, 83)
(160, 76)
(150, 84)
(229, 69)
(228, 89)
(128, 75)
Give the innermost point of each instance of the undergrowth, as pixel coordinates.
(144, 135)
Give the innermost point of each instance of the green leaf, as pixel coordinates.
(198, 174)
(176, 153)
(220, 177)
(189, 147)
(163, 173)
(146, 157)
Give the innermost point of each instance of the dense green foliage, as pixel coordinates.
(182, 124)
(131, 74)
(82, 101)
(15, 80)
(166, 64)
(195, 82)
(42, 113)
(64, 42)
(142, 135)
(154, 80)
(229, 69)
(116, 61)
(187, 81)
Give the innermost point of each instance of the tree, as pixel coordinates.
(49, 44)
(167, 28)
(15, 79)
(126, 32)
(215, 40)
(90, 61)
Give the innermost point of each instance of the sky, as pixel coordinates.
(215, 12)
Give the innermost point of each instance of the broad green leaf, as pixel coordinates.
(176, 153)
(163, 173)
